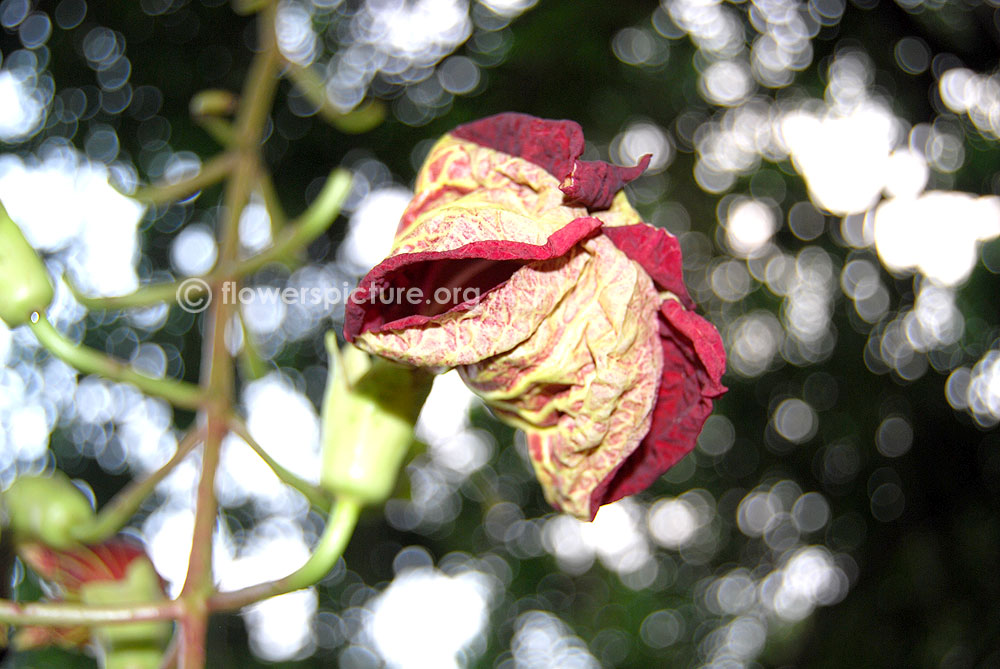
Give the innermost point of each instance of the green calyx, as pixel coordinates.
(25, 287)
(369, 411)
(123, 645)
(46, 509)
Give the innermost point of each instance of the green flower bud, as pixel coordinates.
(369, 411)
(24, 283)
(46, 509)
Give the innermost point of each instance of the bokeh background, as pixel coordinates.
(831, 169)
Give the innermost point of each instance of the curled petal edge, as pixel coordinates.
(364, 313)
(555, 146)
(694, 362)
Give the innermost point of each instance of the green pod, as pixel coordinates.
(369, 411)
(24, 282)
(46, 509)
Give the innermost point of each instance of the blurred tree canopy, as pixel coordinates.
(841, 508)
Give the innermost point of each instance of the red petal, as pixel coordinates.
(594, 184)
(657, 251)
(555, 146)
(693, 363)
(366, 312)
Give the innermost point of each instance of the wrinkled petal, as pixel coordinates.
(658, 252)
(555, 146)
(583, 386)
(579, 329)
(694, 360)
(504, 315)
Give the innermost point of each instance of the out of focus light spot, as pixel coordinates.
(717, 435)
(255, 225)
(977, 391)
(21, 106)
(809, 578)
(193, 250)
(458, 75)
(894, 437)
(638, 140)
(795, 420)
(887, 502)
(978, 95)
(936, 233)
(373, 226)
(426, 618)
(661, 629)
(757, 512)
(66, 203)
(634, 46)
(730, 280)
(811, 512)
(509, 8)
(542, 640)
(398, 39)
(912, 55)
(843, 158)
(673, 522)
(806, 222)
(294, 32)
(754, 341)
(750, 224)
(726, 83)
(713, 27)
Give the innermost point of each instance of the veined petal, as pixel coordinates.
(583, 386)
(512, 294)
(693, 363)
(658, 252)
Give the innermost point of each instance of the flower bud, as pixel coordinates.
(116, 571)
(369, 412)
(24, 282)
(46, 509)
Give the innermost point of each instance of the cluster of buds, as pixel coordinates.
(41, 514)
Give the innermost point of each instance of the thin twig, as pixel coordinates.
(316, 495)
(70, 614)
(212, 172)
(117, 512)
(339, 529)
(89, 361)
(303, 230)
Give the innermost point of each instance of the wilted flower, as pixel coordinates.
(528, 270)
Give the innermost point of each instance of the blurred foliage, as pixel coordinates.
(923, 585)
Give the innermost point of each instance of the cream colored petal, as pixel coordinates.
(583, 385)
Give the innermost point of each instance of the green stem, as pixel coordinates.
(337, 534)
(71, 614)
(316, 495)
(212, 172)
(274, 209)
(143, 297)
(308, 226)
(217, 372)
(89, 361)
(117, 512)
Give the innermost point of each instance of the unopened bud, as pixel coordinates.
(24, 282)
